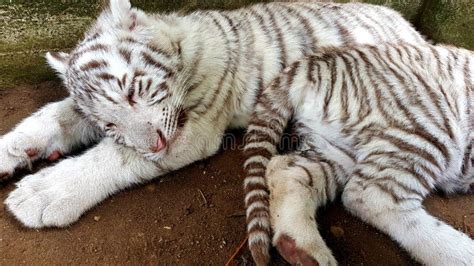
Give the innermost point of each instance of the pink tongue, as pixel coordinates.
(160, 144)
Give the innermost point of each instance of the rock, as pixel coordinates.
(449, 22)
(409, 8)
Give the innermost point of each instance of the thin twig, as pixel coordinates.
(236, 214)
(464, 226)
(237, 251)
(203, 197)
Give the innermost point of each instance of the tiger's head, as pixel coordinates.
(125, 77)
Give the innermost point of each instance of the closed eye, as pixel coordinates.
(130, 97)
(111, 131)
(110, 126)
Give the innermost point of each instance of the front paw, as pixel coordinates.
(46, 199)
(19, 151)
(11, 159)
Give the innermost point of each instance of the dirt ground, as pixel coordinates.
(193, 216)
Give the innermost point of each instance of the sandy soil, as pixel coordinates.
(193, 216)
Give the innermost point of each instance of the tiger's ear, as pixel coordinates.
(119, 9)
(120, 12)
(117, 5)
(58, 61)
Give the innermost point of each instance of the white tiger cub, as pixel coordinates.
(385, 125)
(157, 92)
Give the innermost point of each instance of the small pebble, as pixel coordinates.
(151, 187)
(337, 231)
(97, 218)
(188, 211)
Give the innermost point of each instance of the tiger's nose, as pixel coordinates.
(160, 142)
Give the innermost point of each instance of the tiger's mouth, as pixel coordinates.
(161, 143)
(168, 138)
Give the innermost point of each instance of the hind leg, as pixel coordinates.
(298, 186)
(389, 198)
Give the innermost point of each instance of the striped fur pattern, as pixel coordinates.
(165, 87)
(386, 125)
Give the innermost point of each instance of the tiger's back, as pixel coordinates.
(399, 94)
(259, 41)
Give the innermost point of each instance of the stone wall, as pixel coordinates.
(30, 28)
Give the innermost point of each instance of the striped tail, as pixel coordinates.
(265, 130)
